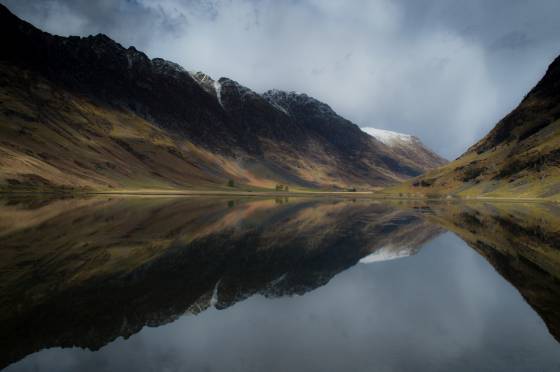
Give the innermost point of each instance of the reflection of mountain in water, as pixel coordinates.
(83, 272)
(521, 241)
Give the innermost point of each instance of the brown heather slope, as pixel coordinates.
(519, 158)
(51, 139)
(89, 114)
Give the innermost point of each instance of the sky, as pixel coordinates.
(444, 70)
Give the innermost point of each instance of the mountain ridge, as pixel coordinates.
(156, 125)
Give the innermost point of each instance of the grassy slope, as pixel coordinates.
(53, 140)
(519, 158)
(484, 175)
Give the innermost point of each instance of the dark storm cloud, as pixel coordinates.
(127, 21)
(440, 69)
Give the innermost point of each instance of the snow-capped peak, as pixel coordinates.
(388, 137)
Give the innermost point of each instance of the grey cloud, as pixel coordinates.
(513, 40)
(443, 70)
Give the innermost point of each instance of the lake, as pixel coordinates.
(112, 283)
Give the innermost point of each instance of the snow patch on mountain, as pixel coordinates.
(387, 253)
(388, 137)
(218, 89)
(214, 299)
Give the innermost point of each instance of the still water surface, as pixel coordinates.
(192, 284)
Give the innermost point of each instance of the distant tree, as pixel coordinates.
(231, 183)
(352, 189)
(286, 188)
(279, 187)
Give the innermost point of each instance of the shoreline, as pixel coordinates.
(225, 193)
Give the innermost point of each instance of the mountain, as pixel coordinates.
(520, 157)
(87, 113)
(407, 146)
(84, 271)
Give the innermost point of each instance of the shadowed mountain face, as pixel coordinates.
(520, 157)
(89, 113)
(84, 272)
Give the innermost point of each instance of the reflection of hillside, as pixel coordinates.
(521, 241)
(83, 272)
